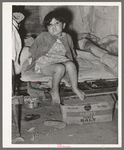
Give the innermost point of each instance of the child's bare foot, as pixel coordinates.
(55, 97)
(79, 93)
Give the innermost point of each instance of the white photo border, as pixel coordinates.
(6, 74)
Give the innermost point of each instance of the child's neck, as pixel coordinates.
(61, 35)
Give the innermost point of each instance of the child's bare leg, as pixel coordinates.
(58, 71)
(72, 72)
(58, 74)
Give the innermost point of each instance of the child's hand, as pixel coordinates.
(29, 41)
(29, 60)
(25, 54)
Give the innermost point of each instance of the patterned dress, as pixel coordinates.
(55, 55)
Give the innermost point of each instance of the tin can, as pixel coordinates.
(35, 104)
(30, 105)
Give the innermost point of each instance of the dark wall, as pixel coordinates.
(31, 24)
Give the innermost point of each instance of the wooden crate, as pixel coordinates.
(97, 108)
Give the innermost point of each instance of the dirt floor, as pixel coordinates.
(36, 132)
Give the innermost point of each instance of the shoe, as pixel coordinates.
(31, 117)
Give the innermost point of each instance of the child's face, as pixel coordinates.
(56, 27)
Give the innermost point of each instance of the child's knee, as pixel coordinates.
(70, 64)
(60, 68)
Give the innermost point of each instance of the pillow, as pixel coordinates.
(84, 37)
(110, 43)
(86, 55)
(88, 36)
(95, 49)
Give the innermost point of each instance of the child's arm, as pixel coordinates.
(37, 44)
(25, 54)
(72, 47)
(37, 48)
(73, 50)
(33, 47)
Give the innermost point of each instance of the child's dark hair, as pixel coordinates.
(54, 14)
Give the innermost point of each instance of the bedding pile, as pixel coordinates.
(97, 59)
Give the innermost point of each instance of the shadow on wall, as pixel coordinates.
(33, 25)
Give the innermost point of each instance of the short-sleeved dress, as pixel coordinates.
(55, 55)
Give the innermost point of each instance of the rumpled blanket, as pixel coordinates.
(103, 51)
(92, 67)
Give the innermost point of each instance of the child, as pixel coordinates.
(53, 55)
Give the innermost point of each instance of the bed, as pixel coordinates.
(97, 59)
